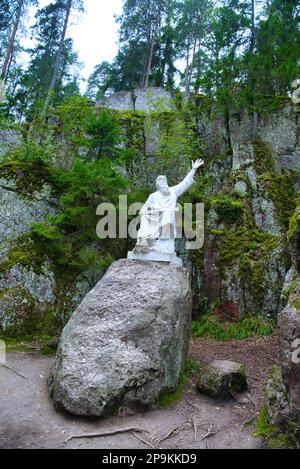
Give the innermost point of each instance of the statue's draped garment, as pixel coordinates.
(160, 210)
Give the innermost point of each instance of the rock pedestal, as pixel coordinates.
(289, 331)
(126, 342)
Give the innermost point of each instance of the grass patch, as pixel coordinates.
(22, 344)
(249, 326)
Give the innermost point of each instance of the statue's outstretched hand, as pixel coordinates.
(197, 164)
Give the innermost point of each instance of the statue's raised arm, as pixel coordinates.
(156, 237)
(189, 179)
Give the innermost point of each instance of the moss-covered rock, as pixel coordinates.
(222, 378)
(277, 398)
(29, 177)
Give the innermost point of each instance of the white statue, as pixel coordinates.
(156, 237)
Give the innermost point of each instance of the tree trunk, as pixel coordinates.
(10, 47)
(187, 70)
(149, 64)
(252, 80)
(152, 44)
(253, 31)
(57, 63)
(199, 64)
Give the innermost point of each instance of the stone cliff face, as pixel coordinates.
(249, 187)
(30, 294)
(250, 196)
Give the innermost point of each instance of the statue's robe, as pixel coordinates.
(160, 210)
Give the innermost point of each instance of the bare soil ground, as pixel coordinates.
(28, 419)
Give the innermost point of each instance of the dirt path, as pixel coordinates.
(28, 419)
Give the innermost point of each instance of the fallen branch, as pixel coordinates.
(194, 405)
(108, 433)
(13, 370)
(173, 430)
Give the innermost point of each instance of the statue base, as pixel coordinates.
(156, 256)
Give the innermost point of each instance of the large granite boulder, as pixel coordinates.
(126, 342)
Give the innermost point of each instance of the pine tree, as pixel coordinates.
(34, 85)
(193, 27)
(65, 6)
(146, 51)
(12, 12)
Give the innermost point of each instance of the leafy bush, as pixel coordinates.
(70, 237)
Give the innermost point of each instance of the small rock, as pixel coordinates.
(223, 378)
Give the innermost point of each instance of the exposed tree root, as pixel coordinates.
(253, 416)
(108, 433)
(13, 370)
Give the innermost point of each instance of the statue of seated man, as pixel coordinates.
(158, 215)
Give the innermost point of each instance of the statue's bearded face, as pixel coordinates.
(162, 185)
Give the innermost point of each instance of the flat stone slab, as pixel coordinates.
(222, 378)
(126, 343)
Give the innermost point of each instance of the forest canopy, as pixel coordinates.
(224, 49)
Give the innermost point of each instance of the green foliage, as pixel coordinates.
(104, 134)
(245, 242)
(24, 343)
(249, 326)
(70, 118)
(264, 160)
(294, 228)
(237, 52)
(293, 234)
(28, 170)
(76, 126)
(25, 252)
(70, 238)
(99, 81)
(178, 143)
(286, 436)
(51, 50)
(263, 427)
